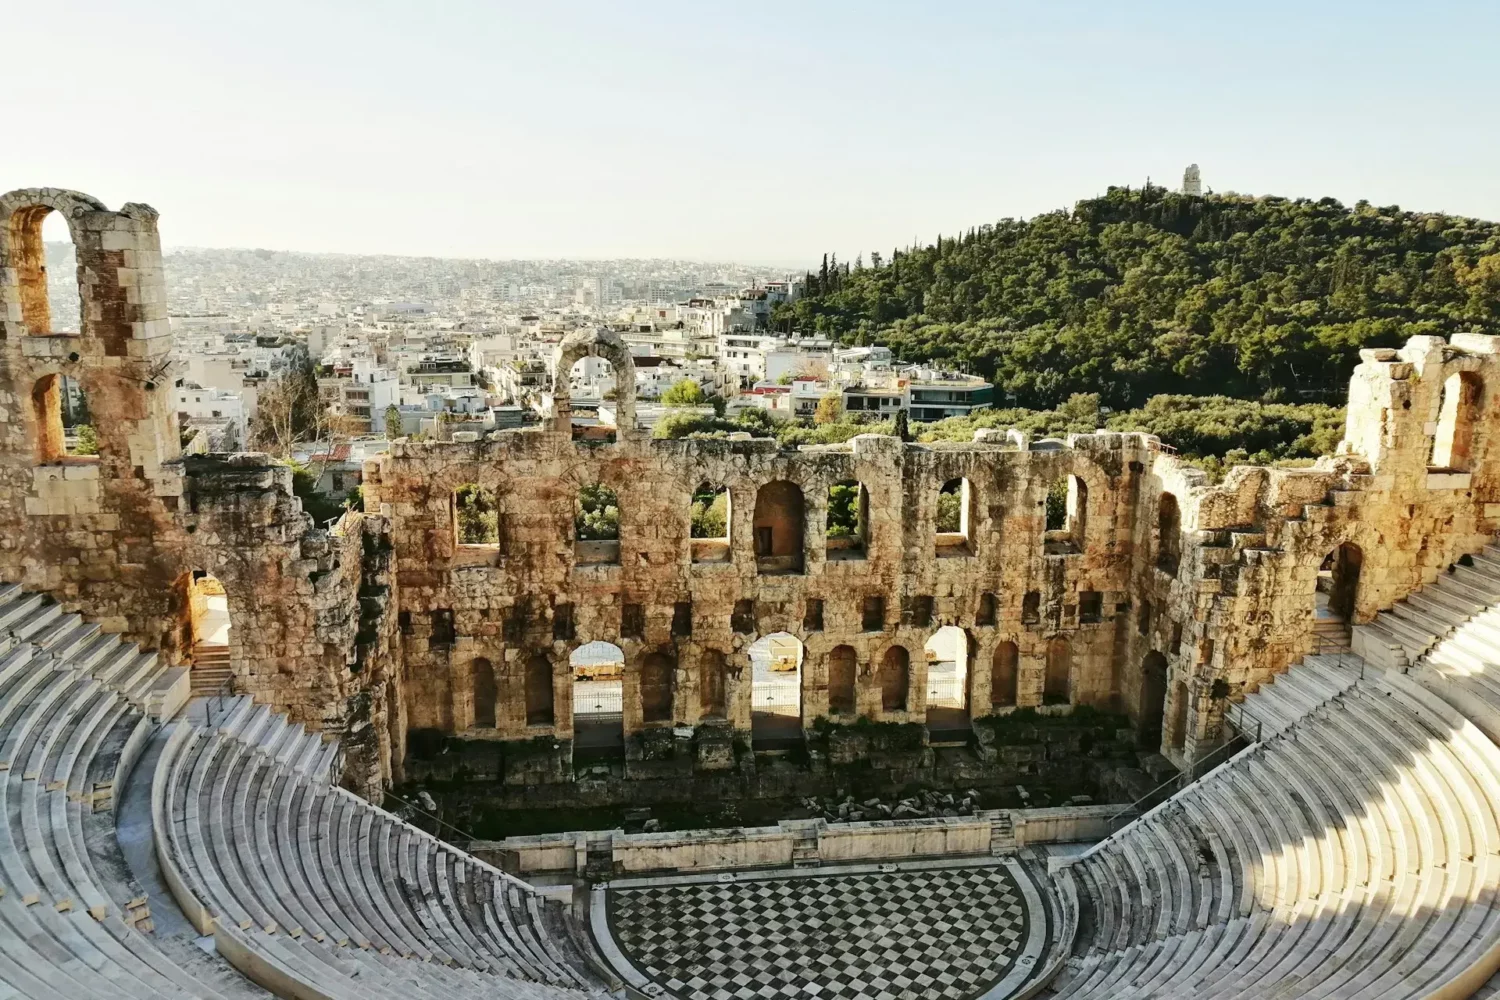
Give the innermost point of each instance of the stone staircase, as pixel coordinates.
(805, 847)
(211, 671)
(1401, 635)
(1002, 834)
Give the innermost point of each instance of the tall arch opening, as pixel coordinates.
(476, 516)
(45, 261)
(776, 691)
(1335, 595)
(954, 522)
(657, 673)
(713, 696)
(710, 518)
(1057, 684)
(1004, 664)
(539, 691)
(207, 631)
(482, 682)
(598, 701)
(947, 656)
(778, 525)
(1168, 534)
(848, 525)
(596, 526)
(895, 679)
(843, 665)
(1153, 703)
(64, 426)
(1452, 446)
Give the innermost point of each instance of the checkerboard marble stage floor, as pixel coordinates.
(944, 930)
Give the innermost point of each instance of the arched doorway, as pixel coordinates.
(1153, 704)
(776, 692)
(1003, 676)
(843, 664)
(208, 633)
(712, 683)
(1168, 534)
(598, 695)
(895, 679)
(1334, 597)
(947, 656)
(657, 671)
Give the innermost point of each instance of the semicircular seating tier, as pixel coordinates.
(1353, 852)
(76, 707)
(308, 889)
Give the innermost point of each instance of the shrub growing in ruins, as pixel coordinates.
(476, 515)
(598, 514)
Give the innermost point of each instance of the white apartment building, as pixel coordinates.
(215, 404)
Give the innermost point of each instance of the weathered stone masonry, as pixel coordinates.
(1163, 596)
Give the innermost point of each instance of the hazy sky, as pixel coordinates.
(755, 132)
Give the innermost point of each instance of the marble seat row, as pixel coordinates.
(1293, 694)
(273, 733)
(1415, 624)
(1353, 854)
(304, 883)
(72, 723)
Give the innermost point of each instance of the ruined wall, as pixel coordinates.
(118, 535)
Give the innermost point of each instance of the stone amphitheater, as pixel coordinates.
(189, 812)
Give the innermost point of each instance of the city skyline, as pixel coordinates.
(669, 131)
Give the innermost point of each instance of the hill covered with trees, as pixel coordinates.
(1144, 292)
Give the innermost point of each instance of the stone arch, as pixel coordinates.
(778, 526)
(713, 683)
(843, 667)
(598, 671)
(596, 525)
(1004, 674)
(1337, 590)
(1057, 685)
(482, 684)
(1067, 504)
(540, 709)
(1168, 534)
(23, 259)
(1153, 702)
(895, 679)
(593, 342)
(776, 670)
(1458, 412)
(947, 655)
(657, 674)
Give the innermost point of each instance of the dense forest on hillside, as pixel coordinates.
(1143, 292)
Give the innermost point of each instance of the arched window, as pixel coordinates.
(64, 427)
(778, 525)
(848, 520)
(947, 654)
(539, 695)
(1003, 675)
(712, 696)
(710, 523)
(1058, 683)
(1452, 446)
(598, 687)
(482, 677)
(954, 520)
(895, 679)
(842, 666)
(657, 670)
(1168, 534)
(596, 526)
(476, 515)
(44, 258)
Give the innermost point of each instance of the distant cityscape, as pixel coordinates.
(407, 346)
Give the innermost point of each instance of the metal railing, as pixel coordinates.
(214, 705)
(1177, 782)
(468, 838)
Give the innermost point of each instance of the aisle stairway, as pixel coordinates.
(211, 671)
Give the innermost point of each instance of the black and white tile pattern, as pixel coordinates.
(933, 933)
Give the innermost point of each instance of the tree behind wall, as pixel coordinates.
(288, 409)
